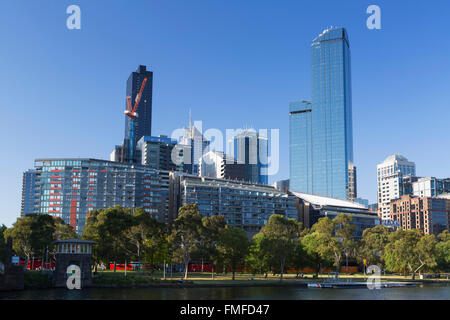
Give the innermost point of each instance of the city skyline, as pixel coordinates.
(73, 136)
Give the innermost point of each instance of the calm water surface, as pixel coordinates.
(421, 292)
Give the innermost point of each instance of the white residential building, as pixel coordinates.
(390, 175)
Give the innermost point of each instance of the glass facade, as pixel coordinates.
(71, 188)
(332, 145)
(300, 144)
(251, 149)
(30, 192)
(327, 154)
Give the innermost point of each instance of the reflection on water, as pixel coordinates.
(428, 291)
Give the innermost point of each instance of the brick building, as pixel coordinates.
(431, 215)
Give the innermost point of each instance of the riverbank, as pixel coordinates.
(133, 279)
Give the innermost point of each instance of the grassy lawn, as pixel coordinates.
(205, 277)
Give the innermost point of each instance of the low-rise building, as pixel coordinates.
(243, 205)
(311, 208)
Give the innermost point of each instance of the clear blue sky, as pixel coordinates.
(235, 63)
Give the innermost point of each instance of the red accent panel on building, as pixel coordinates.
(73, 213)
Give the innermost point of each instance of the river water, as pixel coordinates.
(421, 292)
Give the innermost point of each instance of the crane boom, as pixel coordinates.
(139, 95)
(131, 113)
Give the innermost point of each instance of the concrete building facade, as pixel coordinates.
(243, 205)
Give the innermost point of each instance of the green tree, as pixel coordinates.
(328, 245)
(211, 231)
(258, 260)
(299, 257)
(20, 234)
(233, 246)
(63, 231)
(280, 236)
(2, 242)
(33, 235)
(144, 234)
(185, 235)
(155, 250)
(372, 245)
(43, 230)
(443, 251)
(90, 232)
(410, 250)
(108, 227)
(311, 244)
(344, 231)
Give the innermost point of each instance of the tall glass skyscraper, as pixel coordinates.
(143, 123)
(321, 138)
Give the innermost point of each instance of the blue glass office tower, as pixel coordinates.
(321, 162)
(300, 137)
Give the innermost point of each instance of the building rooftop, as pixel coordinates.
(396, 157)
(80, 241)
(332, 33)
(220, 183)
(326, 201)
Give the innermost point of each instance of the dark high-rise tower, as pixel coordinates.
(143, 121)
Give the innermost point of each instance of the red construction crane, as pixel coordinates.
(131, 111)
(132, 114)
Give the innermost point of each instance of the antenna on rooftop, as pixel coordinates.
(190, 117)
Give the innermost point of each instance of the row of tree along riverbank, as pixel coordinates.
(282, 244)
